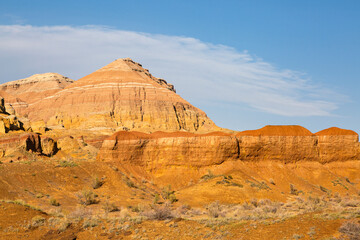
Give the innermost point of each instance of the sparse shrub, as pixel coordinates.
(61, 224)
(293, 190)
(138, 208)
(214, 209)
(312, 232)
(351, 229)
(246, 206)
(87, 197)
(110, 207)
(80, 213)
(156, 198)
(208, 176)
(124, 213)
(20, 202)
(37, 221)
(259, 185)
(159, 212)
(168, 194)
(297, 236)
(348, 180)
(129, 183)
(67, 163)
(90, 222)
(64, 224)
(39, 195)
(183, 209)
(236, 184)
(56, 212)
(271, 181)
(254, 202)
(53, 202)
(350, 203)
(96, 183)
(324, 189)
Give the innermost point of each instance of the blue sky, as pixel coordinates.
(252, 63)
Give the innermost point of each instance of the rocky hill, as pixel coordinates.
(120, 96)
(286, 144)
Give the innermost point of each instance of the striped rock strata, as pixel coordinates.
(271, 143)
(21, 94)
(121, 95)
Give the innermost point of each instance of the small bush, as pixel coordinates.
(297, 236)
(110, 207)
(37, 221)
(351, 229)
(183, 209)
(96, 183)
(39, 195)
(271, 181)
(67, 163)
(324, 189)
(64, 224)
(214, 209)
(159, 212)
(156, 199)
(80, 213)
(87, 197)
(53, 202)
(208, 176)
(168, 194)
(293, 190)
(129, 183)
(90, 222)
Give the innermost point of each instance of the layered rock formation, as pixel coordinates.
(280, 143)
(161, 149)
(8, 121)
(21, 93)
(271, 143)
(336, 144)
(20, 142)
(121, 95)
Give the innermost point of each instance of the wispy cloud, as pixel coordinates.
(13, 19)
(199, 70)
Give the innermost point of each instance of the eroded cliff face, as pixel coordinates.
(160, 149)
(8, 121)
(120, 96)
(336, 144)
(22, 93)
(181, 149)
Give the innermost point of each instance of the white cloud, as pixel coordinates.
(200, 71)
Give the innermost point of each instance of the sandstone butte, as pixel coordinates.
(121, 95)
(275, 143)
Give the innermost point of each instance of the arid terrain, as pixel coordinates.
(118, 154)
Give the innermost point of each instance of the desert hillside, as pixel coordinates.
(118, 154)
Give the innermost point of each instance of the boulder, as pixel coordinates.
(49, 146)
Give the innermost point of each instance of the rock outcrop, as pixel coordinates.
(120, 96)
(21, 94)
(10, 144)
(287, 144)
(8, 121)
(336, 144)
(278, 143)
(160, 149)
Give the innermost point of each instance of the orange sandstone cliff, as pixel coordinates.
(272, 143)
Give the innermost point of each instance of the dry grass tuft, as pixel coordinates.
(351, 230)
